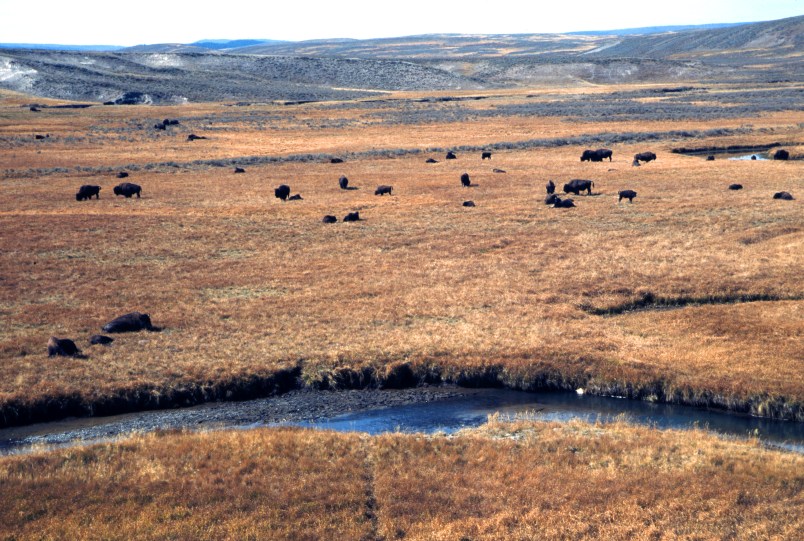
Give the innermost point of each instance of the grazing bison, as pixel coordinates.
(430, 160)
(87, 191)
(498, 170)
(710, 158)
(786, 196)
(735, 186)
(160, 126)
(551, 187)
(343, 182)
(465, 182)
(577, 185)
(329, 219)
(282, 192)
(564, 204)
(485, 155)
(336, 160)
(239, 170)
(40, 137)
(753, 156)
(468, 203)
(551, 199)
(169, 122)
(194, 137)
(781, 154)
(100, 340)
(63, 347)
(122, 174)
(644, 157)
(604, 153)
(352, 217)
(128, 189)
(132, 322)
(383, 189)
(296, 197)
(627, 194)
(596, 155)
(451, 156)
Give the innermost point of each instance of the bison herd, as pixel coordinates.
(126, 189)
(132, 322)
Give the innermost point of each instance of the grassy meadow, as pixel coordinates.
(509, 292)
(520, 480)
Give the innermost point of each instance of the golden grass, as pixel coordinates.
(246, 285)
(523, 480)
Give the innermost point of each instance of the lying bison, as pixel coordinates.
(577, 185)
(122, 174)
(627, 194)
(735, 186)
(282, 192)
(781, 154)
(596, 155)
(296, 197)
(127, 190)
(239, 170)
(343, 182)
(430, 160)
(786, 196)
(465, 182)
(86, 192)
(551, 199)
(336, 160)
(495, 170)
(551, 187)
(63, 347)
(133, 322)
(451, 156)
(644, 157)
(564, 204)
(383, 189)
(329, 219)
(468, 203)
(194, 137)
(352, 217)
(100, 340)
(485, 155)
(710, 158)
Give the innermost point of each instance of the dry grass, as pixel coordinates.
(246, 285)
(525, 480)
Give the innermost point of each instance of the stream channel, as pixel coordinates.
(424, 409)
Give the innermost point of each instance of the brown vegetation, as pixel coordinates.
(247, 286)
(526, 480)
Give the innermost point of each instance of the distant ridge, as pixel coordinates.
(57, 47)
(652, 29)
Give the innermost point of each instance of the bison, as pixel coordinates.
(329, 219)
(468, 203)
(239, 170)
(627, 194)
(282, 192)
(160, 126)
(485, 155)
(63, 347)
(127, 190)
(551, 187)
(352, 217)
(786, 196)
(343, 182)
(596, 155)
(336, 160)
(710, 158)
(781, 154)
(87, 191)
(551, 199)
(194, 137)
(577, 185)
(451, 156)
(735, 186)
(296, 197)
(100, 340)
(564, 204)
(132, 322)
(498, 170)
(430, 160)
(465, 182)
(122, 174)
(644, 157)
(383, 189)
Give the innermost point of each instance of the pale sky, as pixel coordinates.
(94, 22)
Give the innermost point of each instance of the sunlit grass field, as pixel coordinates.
(510, 291)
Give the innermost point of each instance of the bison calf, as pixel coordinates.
(86, 192)
(383, 189)
(627, 194)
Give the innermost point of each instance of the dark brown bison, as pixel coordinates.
(329, 219)
(465, 182)
(352, 217)
(132, 322)
(63, 347)
(596, 155)
(160, 126)
(644, 157)
(710, 158)
(336, 160)
(498, 170)
(735, 186)
(127, 190)
(485, 155)
(170, 122)
(627, 194)
(282, 192)
(194, 137)
(383, 189)
(122, 174)
(564, 204)
(40, 137)
(86, 192)
(551, 199)
(753, 156)
(239, 170)
(786, 196)
(781, 154)
(343, 182)
(296, 197)
(468, 203)
(430, 160)
(577, 185)
(551, 187)
(451, 156)
(100, 340)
